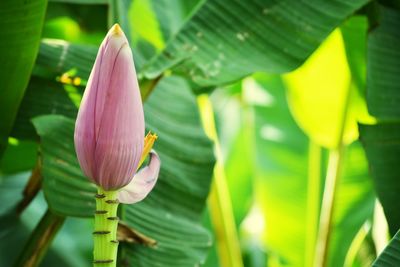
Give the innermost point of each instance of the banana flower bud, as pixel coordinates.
(109, 130)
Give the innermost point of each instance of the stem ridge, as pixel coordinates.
(101, 212)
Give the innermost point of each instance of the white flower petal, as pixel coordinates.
(142, 183)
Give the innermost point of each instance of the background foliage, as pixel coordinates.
(278, 128)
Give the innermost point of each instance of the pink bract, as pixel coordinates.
(109, 130)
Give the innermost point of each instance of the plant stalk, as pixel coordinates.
(105, 229)
(333, 176)
(313, 200)
(219, 201)
(40, 240)
(31, 189)
(327, 208)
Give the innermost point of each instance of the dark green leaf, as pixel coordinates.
(382, 145)
(390, 257)
(383, 68)
(21, 23)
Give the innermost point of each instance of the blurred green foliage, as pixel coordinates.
(290, 82)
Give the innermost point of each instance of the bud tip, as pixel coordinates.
(116, 29)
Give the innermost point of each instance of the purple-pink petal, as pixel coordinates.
(109, 131)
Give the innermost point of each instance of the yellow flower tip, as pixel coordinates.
(116, 29)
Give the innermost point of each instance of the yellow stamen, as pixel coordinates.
(77, 81)
(65, 79)
(148, 145)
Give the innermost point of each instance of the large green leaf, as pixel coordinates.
(382, 146)
(21, 23)
(226, 40)
(57, 57)
(319, 92)
(171, 213)
(390, 257)
(381, 141)
(383, 69)
(170, 15)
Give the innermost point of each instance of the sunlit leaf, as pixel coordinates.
(144, 23)
(318, 94)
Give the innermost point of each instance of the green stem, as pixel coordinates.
(356, 245)
(313, 200)
(105, 229)
(331, 182)
(40, 240)
(327, 209)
